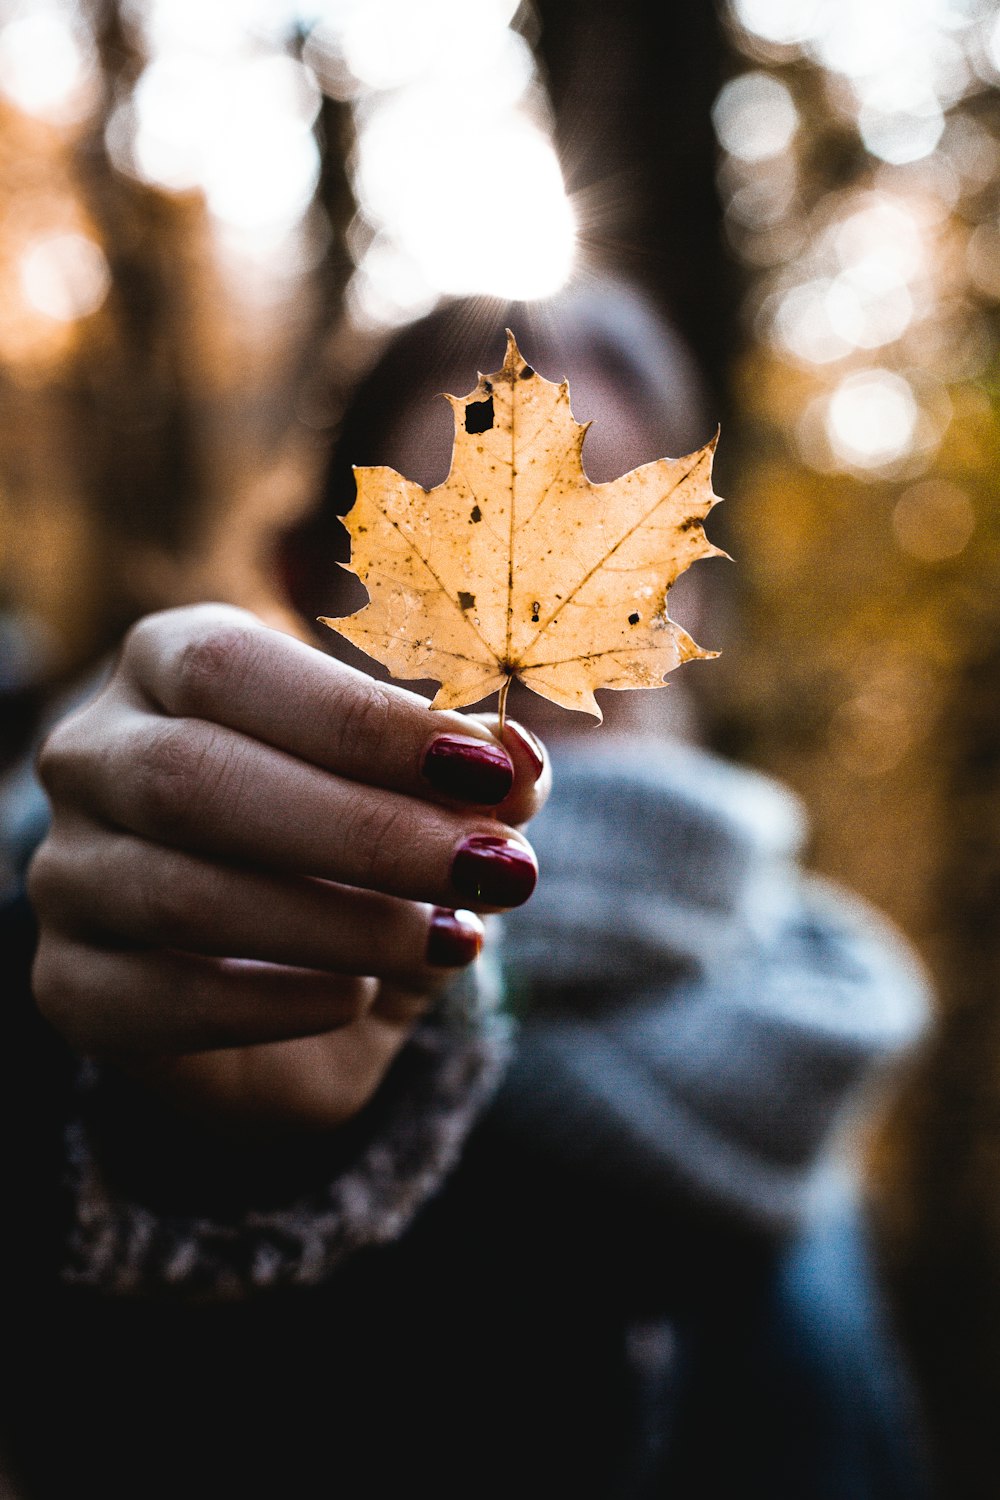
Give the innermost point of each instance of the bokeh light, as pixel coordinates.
(457, 182)
(870, 393)
(869, 305)
(899, 132)
(785, 22)
(412, 191)
(239, 131)
(933, 521)
(755, 117)
(47, 67)
(874, 258)
(452, 139)
(871, 418)
(871, 731)
(386, 44)
(65, 276)
(799, 323)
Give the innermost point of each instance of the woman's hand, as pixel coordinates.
(249, 892)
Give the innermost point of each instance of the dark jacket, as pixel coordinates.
(607, 1293)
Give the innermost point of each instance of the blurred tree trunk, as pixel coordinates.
(633, 101)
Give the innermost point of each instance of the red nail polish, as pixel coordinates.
(468, 769)
(529, 746)
(497, 872)
(455, 938)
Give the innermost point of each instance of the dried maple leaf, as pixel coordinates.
(517, 565)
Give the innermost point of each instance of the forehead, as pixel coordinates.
(631, 424)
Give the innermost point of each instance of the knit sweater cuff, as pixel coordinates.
(396, 1156)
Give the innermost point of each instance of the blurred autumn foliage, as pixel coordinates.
(148, 386)
(860, 178)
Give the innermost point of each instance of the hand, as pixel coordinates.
(249, 892)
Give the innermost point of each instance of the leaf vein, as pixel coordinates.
(408, 538)
(612, 550)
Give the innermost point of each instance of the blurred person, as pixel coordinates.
(282, 1224)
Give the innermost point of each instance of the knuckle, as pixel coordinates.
(359, 718)
(50, 758)
(218, 652)
(140, 635)
(167, 911)
(155, 632)
(169, 777)
(56, 985)
(44, 881)
(380, 832)
(189, 774)
(58, 755)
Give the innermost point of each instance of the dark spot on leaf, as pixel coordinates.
(535, 607)
(487, 385)
(690, 523)
(479, 415)
(475, 514)
(633, 619)
(467, 601)
(527, 373)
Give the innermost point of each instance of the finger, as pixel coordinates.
(120, 887)
(193, 785)
(532, 771)
(224, 666)
(114, 1002)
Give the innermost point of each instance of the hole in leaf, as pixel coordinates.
(479, 415)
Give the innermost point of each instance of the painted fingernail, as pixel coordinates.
(497, 872)
(529, 746)
(471, 770)
(455, 938)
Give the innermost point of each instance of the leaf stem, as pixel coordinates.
(502, 706)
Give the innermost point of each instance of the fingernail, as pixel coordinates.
(455, 938)
(530, 747)
(497, 872)
(471, 770)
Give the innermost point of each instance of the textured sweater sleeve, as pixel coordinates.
(206, 1219)
(154, 1206)
(248, 1220)
(699, 1014)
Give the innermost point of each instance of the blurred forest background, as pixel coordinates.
(212, 216)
